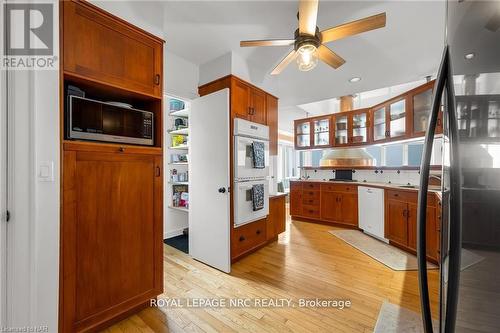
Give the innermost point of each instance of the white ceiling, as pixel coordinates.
(406, 50)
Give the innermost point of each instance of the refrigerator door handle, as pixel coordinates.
(422, 193)
(455, 217)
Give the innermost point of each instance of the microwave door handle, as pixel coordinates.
(455, 218)
(422, 194)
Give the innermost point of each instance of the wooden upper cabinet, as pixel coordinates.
(240, 99)
(303, 134)
(272, 122)
(322, 134)
(420, 100)
(103, 48)
(379, 124)
(342, 129)
(360, 131)
(397, 118)
(258, 106)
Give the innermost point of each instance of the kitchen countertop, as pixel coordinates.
(277, 195)
(431, 189)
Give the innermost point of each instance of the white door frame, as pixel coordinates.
(3, 187)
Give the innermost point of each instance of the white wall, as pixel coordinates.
(33, 232)
(181, 76)
(215, 69)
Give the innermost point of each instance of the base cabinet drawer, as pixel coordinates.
(247, 237)
(311, 211)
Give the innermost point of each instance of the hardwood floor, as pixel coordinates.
(306, 262)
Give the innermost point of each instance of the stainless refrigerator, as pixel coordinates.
(467, 91)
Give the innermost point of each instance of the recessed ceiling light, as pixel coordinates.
(354, 79)
(469, 56)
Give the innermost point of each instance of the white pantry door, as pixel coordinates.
(209, 199)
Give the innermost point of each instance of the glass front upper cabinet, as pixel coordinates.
(379, 124)
(397, 118)
(359, 127)
(341, 130)
(303, 134)
(321, 132)
(422, 104)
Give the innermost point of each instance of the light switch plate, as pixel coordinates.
(46, 171)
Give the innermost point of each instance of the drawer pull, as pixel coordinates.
(258, 232)
(242, 238)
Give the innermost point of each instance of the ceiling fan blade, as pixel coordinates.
(353, 28)
(281, 66)
(308, 14)
(330, 57)
(267, 42)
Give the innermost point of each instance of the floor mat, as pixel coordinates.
(393, 318)
(388, 255)
(180, 243)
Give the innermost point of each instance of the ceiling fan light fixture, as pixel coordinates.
(307, 57)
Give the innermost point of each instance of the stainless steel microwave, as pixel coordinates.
(109, 122)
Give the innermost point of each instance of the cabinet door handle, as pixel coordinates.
(157, 79)
(158, 171)
(242, 238)
(404, 212)
(258, 232)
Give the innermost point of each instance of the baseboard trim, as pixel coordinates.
(173, 233)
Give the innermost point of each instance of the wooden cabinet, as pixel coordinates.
(112, 252)
(314, 132)
(247, 101)
(402, 117)
(397, 224)
(342, 128)
(401, 222)
(295, 199)
(272, 122)
(352, 128)
(321, 128)
(303, 134)
(111, 239)
(276, 221)
(248, 237)
(420, 104)
(333, 203)
(258, 106)
(108, 50)
(240, 99)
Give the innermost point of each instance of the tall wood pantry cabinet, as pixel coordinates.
(111, 257)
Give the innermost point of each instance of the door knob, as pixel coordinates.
(222, 190)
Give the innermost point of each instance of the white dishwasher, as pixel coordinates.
(371, 211)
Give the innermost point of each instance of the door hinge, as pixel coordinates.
(7, 216)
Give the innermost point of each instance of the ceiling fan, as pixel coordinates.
(309, 41)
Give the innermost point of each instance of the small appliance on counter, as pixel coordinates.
(251, 171)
